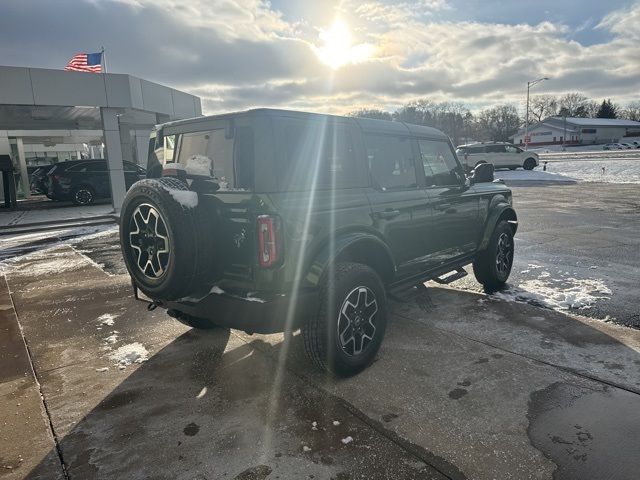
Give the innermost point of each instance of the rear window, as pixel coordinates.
(318, 155)
(229, 161)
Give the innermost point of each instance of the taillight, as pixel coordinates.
(269, 241)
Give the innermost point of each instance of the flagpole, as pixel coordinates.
(104, 60)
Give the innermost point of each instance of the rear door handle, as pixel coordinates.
(387, 214)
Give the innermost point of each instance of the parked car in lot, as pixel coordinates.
(612, 146)
(501, 155)
(84, 181)
(626, 145)
(269, 221)
(38, 184)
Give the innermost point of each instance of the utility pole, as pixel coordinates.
(526, 120)
(564, 136)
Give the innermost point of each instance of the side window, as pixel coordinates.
(96, 167)
(390, 161)
(496, 149)
(476, 150)
(317, 155)
(511, 149)
(440, 166)
(82, 167)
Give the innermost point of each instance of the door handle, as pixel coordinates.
(387, 214)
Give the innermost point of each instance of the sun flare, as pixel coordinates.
(337, 47)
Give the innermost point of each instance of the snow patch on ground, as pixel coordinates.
(533, 176)
(107, 319)
(561, 293)
(128, 354)
(111, 339)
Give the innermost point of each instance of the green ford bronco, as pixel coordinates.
(270, 220)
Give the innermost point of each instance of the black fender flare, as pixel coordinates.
(331, 252)
(499, 209)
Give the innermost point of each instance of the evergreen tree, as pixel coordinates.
(607, 110)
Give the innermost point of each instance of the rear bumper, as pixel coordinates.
(268, 313)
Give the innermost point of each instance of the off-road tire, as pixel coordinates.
(83, 195)
(187, 264)
(529, 164)
(485, 267)
(320, 333)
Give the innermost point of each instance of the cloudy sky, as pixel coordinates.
(337, 56)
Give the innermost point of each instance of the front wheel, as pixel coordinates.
(83, 195)
(346, 334)
(493, 265)
(529, 164)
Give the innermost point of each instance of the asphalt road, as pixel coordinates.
(578, 233)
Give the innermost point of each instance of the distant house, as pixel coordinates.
(578, 131)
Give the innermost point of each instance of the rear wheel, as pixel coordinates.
(493, 265)
(347, 332)
(83, 195)
(529, 164)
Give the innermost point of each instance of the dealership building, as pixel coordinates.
(578, 131)
(48, 116)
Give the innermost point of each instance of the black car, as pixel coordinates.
(270, 220)
(83, 181)
(39, 180)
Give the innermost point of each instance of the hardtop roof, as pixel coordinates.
(366, 124)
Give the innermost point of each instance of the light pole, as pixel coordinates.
(526, 120)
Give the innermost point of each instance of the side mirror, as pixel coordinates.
(483, 173)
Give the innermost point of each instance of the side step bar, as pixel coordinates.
(457, 275)
(407, 292)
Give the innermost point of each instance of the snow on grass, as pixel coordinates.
(128, 354)
(607, 171)
(561, 293)
(347, 440)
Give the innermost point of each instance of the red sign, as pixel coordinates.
(527, 139)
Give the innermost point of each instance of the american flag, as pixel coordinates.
(85, 62)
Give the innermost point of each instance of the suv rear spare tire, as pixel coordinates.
(346, 334)
(161, 238)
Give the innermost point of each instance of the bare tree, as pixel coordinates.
(371, 113)
(575, 104)
(541, 107)
(498, 123)
(446, 116)
(632, 112)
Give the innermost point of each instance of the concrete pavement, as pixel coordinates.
(464, 386)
